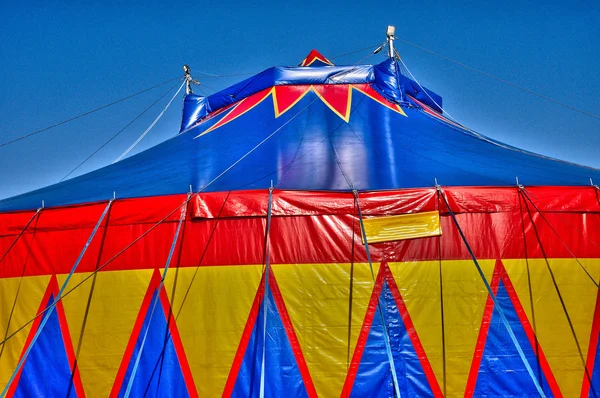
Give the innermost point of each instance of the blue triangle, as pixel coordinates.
(46, 371)
(282, 375)
(502, 370)
(155, 376)
(374, 377)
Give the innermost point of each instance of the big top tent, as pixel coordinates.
(315, 230)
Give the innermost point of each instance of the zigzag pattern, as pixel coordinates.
(164, 369)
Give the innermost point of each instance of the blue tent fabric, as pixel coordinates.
(374, 377)
(47, 371)
(502, 370)
(159, 373)
(282, 374)
(310, 147)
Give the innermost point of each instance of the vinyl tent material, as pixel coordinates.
(317, 132)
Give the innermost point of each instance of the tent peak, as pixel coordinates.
(315, 58)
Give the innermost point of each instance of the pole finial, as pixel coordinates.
(390, 32)
(188, 80)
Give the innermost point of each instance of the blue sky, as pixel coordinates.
(60, 59)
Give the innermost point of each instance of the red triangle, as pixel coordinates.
(287, 96)
(315, 56)
(337, 97)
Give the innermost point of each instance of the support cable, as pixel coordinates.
(119, 132)
(439, 244)
(562, 302)
(157, 299)
(524, 191)
(14, 305)
(386, 335)
(155, 225)
(88, 304)
(151, 125)
(21, 233)
(169, 317)
(85, 113)
(212, 233)
(50, 308)
(511, 333)
(500, 79)
(530, 288)
(266, 294)
(351, 295)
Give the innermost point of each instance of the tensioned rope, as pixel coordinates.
(161, 358)
(561, 299)
(386, 335)
(44, 311)
(157, 297)
(265, 306)
(157, 224)
(151, 125)
(21, 233)
(88, 305)
(86, 113)
(119, 132)
(55, 301)
(511, 333)
(351, 295)
(524, 191)
(560, 217)
(212, 233)
(14, 305)
(499, 79)
(442, 315)
(530, 289)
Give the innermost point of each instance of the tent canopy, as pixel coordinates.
(313, 127)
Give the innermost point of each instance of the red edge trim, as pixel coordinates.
(291, 334)
(51, 289)
(289, 328)
(500, 274)
(246, 334)
(412, 333)
(178, 345)
(175, 338)
(363, 336)
(135, 333)
(593, 347)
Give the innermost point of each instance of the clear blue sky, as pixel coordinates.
(60, 59)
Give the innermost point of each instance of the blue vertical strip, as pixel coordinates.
(47, 371)
(282, 374)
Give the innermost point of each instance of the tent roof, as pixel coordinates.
(314, 127)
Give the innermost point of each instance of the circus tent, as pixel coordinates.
(316, 230)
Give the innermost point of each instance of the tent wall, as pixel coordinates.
(325, 333)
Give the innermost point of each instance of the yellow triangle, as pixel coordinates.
(550, 322)
(30, 297)
(464, 297)
(419, 285)
(317, 297)
(114, 308)
(212, 318)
